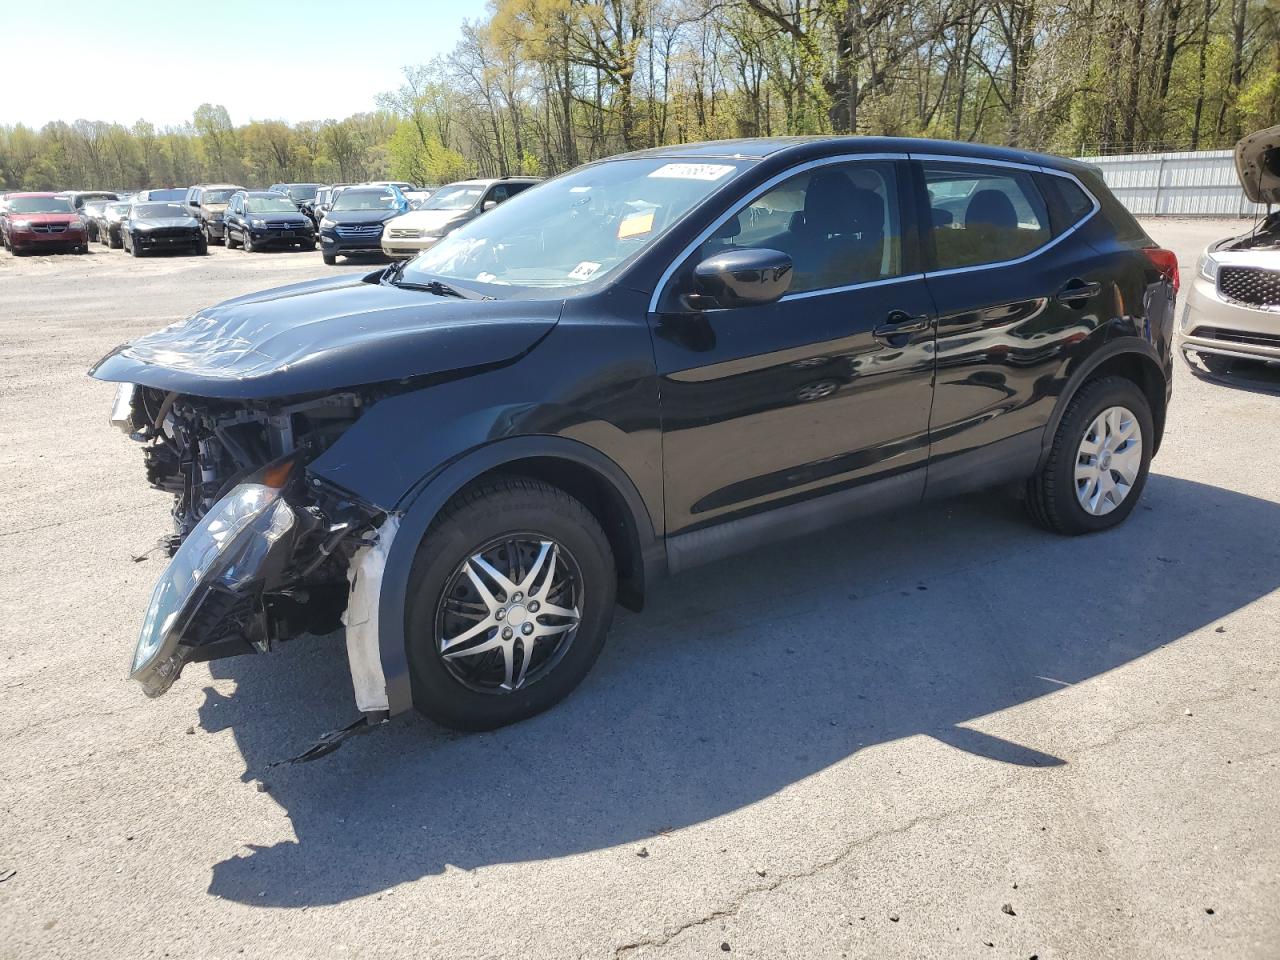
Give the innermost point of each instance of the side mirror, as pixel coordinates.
(742, 278)
(488, 205)
(195, 203)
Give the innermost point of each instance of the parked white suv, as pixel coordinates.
(1233, 302)
(445, 210)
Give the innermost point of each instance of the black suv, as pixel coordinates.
(354, 221)
(256, 219)
(647, 363)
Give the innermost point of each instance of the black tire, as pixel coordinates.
(114, 243)
(1051, 493)
(202, 247)
(226, 238)
(308, 244)
(134, 248)
(247, 242)
(490, 512)
(329, 258)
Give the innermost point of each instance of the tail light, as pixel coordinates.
(1166, 261)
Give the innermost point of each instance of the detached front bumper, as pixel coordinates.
(208, 601)
(1212, 324)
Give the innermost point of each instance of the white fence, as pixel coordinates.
(1194, 184)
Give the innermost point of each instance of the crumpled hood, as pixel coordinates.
(425, 219)
(324, 335)
(1258, 165)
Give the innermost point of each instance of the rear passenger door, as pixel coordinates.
(1016, 294)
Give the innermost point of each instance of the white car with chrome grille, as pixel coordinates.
(1232, 310)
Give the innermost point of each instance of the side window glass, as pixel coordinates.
(1068, 204)
(838, 223)
(983, 214)
(498, 193)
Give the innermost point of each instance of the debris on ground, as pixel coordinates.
(1008, 908)
(642, 852)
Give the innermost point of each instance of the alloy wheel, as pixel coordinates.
(1108, 461)
(509, 613)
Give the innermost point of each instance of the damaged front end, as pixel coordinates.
(260, 551)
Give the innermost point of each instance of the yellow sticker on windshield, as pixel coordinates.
(635, 225)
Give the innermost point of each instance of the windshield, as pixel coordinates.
(269, 205)
(365, 200)
(574, 228)
(302, 192)
(166, 194)
(94, 207)
(453, 197)
(158, 211)
(216, 196)
(117, 210)
(39, 205)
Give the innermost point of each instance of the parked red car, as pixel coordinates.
(41, 221)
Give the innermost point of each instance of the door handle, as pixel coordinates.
(1078, 290)
(901, 324)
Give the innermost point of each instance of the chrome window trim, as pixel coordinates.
(804, 294)
(748, 200)
(984, 161)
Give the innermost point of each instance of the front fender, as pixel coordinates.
(587, 394)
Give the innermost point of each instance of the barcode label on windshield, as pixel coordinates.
(692, 171)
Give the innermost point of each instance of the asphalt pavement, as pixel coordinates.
(943, 733)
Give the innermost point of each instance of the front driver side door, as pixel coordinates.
(824, 392)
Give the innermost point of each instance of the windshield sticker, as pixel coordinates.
(583, 270)
(486, 277)
(635, 225)
(579, 189)
(692, 171)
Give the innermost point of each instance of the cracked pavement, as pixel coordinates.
(860, 744)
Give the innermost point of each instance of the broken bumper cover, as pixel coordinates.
(248, 532)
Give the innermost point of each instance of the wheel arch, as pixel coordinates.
(1128, 357)
(578, 469)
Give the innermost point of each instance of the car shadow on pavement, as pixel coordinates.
(738, 680)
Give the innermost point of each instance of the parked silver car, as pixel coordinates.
(1232, 310)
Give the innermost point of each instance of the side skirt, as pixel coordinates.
(713, 543)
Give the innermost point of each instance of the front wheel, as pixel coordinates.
(512, 594)
(247, 242)
(1098, 464)
(329, 258)
(226, 239)
(133, 247)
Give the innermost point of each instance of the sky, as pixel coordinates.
(125, 60)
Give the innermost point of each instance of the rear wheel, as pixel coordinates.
(512, 594)
(1098, 464)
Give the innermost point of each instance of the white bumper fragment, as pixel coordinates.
(361, 619)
